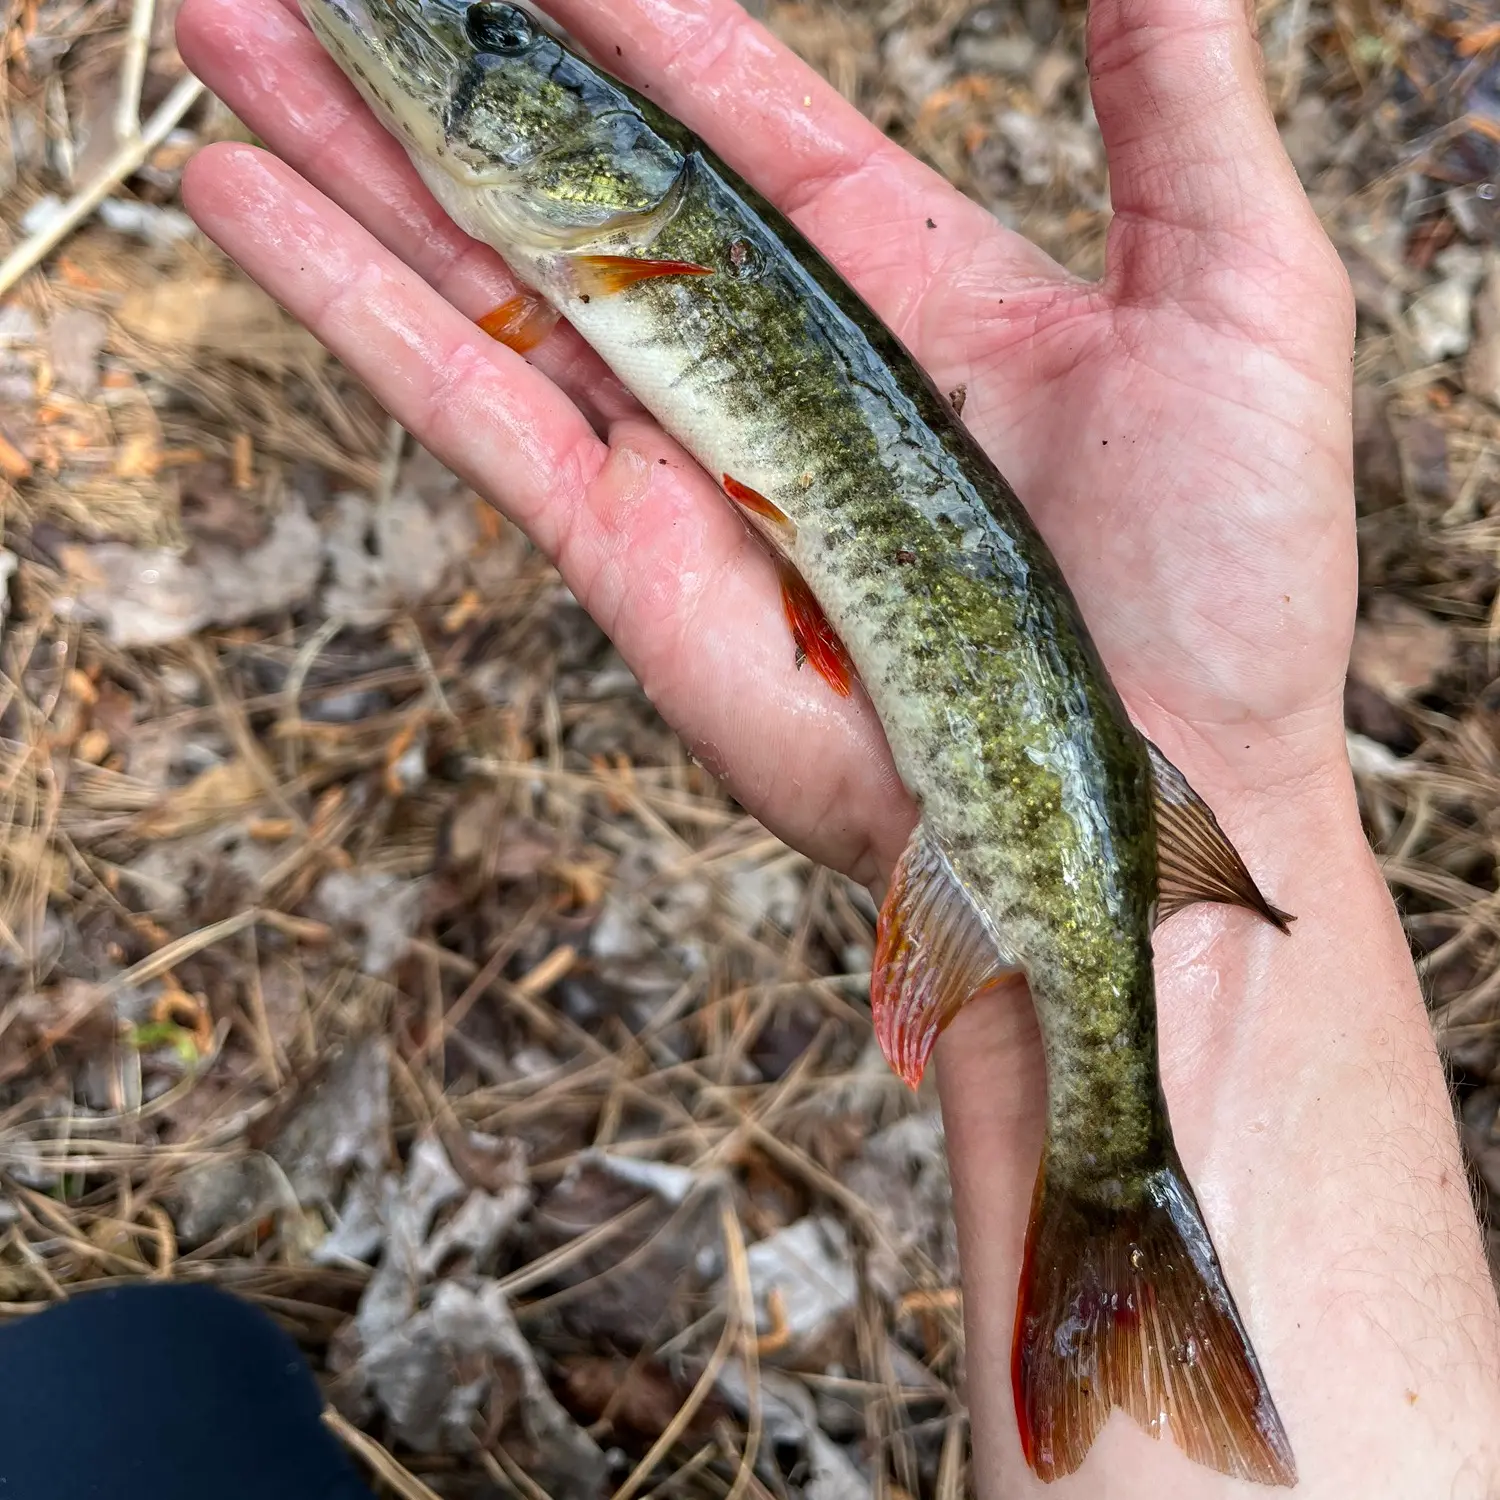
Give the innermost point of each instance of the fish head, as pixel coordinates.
(523, 141)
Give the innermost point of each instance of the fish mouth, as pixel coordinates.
(397, 53)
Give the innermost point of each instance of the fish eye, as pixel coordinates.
(499, 29)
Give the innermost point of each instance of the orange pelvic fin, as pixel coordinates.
(816, 640)
(605, 275)
(934, 952)
(522, 322)
(813, 634)
(772, 521)
(1127, 1307)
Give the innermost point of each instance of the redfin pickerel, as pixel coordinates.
(1053, 835)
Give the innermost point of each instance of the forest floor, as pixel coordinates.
(369, 946)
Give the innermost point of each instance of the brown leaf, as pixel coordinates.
(217, 795)
(1424, 455)
(1482, 366)
(213, 512)
(229, 318)
(1377, 459)
(639, 1398)
(1399, 650)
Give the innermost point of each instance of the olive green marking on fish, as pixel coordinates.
(1037, 792)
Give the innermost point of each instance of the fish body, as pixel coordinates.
(1053, 835)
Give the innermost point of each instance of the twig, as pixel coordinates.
(133, 71)
(950, 1474)
(127, 159)
(390, 465)
(397, 1475)
(506, 1472)
(737, 1267)
(733, 1332)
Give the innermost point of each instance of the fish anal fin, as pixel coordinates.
(521, 322)
(1195, 860)
(934, 952)
(816, 640)
(607, 275)
(1128, 1308)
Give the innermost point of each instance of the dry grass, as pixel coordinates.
(395, 857)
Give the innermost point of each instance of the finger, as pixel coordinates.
(1198, 175)
(861, 199)
(263, 61)
(638, 532)
(992, 1083)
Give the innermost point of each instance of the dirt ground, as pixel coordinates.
(368, 946)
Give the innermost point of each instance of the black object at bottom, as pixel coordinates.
(162, 1393)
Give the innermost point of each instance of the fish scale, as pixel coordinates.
(1053, 836)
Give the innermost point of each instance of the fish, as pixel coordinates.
(1053, 835)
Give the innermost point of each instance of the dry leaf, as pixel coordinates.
(809, 1267)
(75, 338)
(639, 1398)
(232, 319)
(222, 792)
(383, 908)
(341, 1124)
(147, 596)
(29, 853)
(1482, 367)
(139, 457)
(1399, 650)
(14, 465)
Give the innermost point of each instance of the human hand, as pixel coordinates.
(1181, 435)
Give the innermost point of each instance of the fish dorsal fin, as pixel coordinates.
(934, 951)
(1195, 860)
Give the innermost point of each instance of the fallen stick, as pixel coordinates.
(133, 70)
(128, 158)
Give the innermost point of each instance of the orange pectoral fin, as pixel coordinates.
(605, 275)
(520, 323)
(933, 954)
(817, 642)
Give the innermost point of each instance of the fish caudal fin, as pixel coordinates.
(1128, 1308)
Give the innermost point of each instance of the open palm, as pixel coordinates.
(1180, 433)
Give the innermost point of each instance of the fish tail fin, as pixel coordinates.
(1127, 1307)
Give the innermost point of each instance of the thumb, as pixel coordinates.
(1200, 183)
